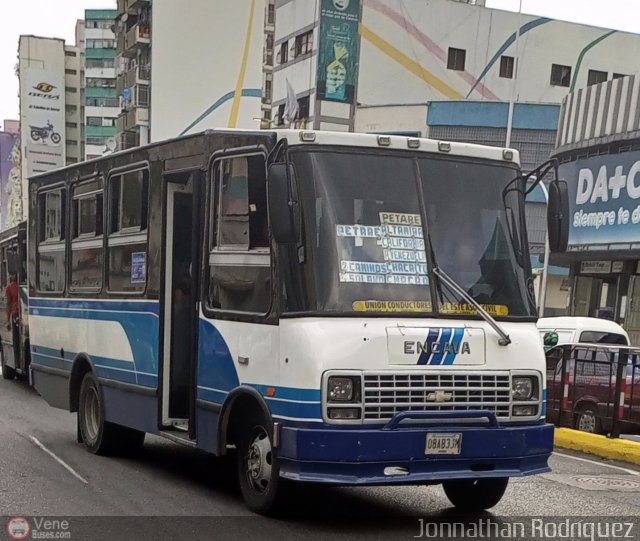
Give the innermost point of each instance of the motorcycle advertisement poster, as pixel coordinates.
(44, 123)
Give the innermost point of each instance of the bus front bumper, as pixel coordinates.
(362, 456)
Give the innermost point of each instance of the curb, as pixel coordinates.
(611, 448)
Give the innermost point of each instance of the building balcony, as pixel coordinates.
(140, 75)
(129, 139)
(135, 117)
(131, 6)
(136, 37)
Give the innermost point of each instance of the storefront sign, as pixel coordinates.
(338, 50)
(595, 267)
(617, 266)
(604, 197)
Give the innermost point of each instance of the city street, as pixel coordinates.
(172, 481)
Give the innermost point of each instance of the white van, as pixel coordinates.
(572, 330)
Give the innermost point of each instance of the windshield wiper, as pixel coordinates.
(453, 285)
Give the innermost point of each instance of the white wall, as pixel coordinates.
(405, 45)
(197, 56)
(405, 118)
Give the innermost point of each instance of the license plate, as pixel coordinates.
(443, 444)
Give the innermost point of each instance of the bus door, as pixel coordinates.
(181, 263)
(9, 261)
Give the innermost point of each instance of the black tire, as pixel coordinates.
(586, 420)
(7, 371)
(475, 495)
(258, 469)
(55, 138)
(99, 436)
(35, 135)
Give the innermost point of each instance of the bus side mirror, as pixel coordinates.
(284, 210)
(551, 339)
(558, 216)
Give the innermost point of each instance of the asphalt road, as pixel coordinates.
(194, 496)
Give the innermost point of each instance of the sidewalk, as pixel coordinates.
(612, 448)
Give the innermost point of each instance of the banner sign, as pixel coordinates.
(604, 201)
(338, 50)
(44, 127)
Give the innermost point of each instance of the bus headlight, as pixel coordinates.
(343, 389)
(524, 388)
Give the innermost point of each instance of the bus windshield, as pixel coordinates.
(366, 240)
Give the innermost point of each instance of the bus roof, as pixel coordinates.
(313, 137)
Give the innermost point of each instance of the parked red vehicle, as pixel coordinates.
(594, 387)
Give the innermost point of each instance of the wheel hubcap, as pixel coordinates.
(91, 414)
(259, 461)
(587, 422)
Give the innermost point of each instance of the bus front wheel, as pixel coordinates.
(258, 470)
(475, 495)
(99, 436)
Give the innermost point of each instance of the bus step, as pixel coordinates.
(177, 436)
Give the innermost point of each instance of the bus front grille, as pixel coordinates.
(386, 394)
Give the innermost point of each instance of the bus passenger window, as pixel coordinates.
(50, 257)
(127, 242)
(86, 238)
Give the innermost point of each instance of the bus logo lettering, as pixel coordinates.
(414, 347)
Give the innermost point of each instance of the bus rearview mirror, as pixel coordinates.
(284, 210)
(558, 216)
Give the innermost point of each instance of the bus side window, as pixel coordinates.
(239, 261)
(50, 257)
(127, 231)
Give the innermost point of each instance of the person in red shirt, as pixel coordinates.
(12, 300)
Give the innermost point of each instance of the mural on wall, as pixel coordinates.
(339, 50)
(10, 181)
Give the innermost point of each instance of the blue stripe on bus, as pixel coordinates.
(458, 334)
(426, 352)
(289, 393)
(114, 369)
(141, 328)
(445, 336)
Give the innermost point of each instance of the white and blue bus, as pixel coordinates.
(345, 309)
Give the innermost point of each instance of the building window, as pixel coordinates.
(70, 53)
(101, 44)
(304, 43)
(71, 124)
(456, 59)
(240, 280)
(506, 67)
(71, 72)
(560, 75)
(619, 75)
(269, 41)
(596, 77)
(102, 102)
(271, 13)
(267, 91)
(284, 52)
(303, 108)
(71, 90)
(71, 143)
(94, 121)
(97, 141)
(100, 82)
(281, 114)
(99, 63)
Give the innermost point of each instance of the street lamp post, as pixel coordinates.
(515, 80)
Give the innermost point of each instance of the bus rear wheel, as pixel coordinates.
(475, 495)
(258, 469)
(99, 436)
(7, 371)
